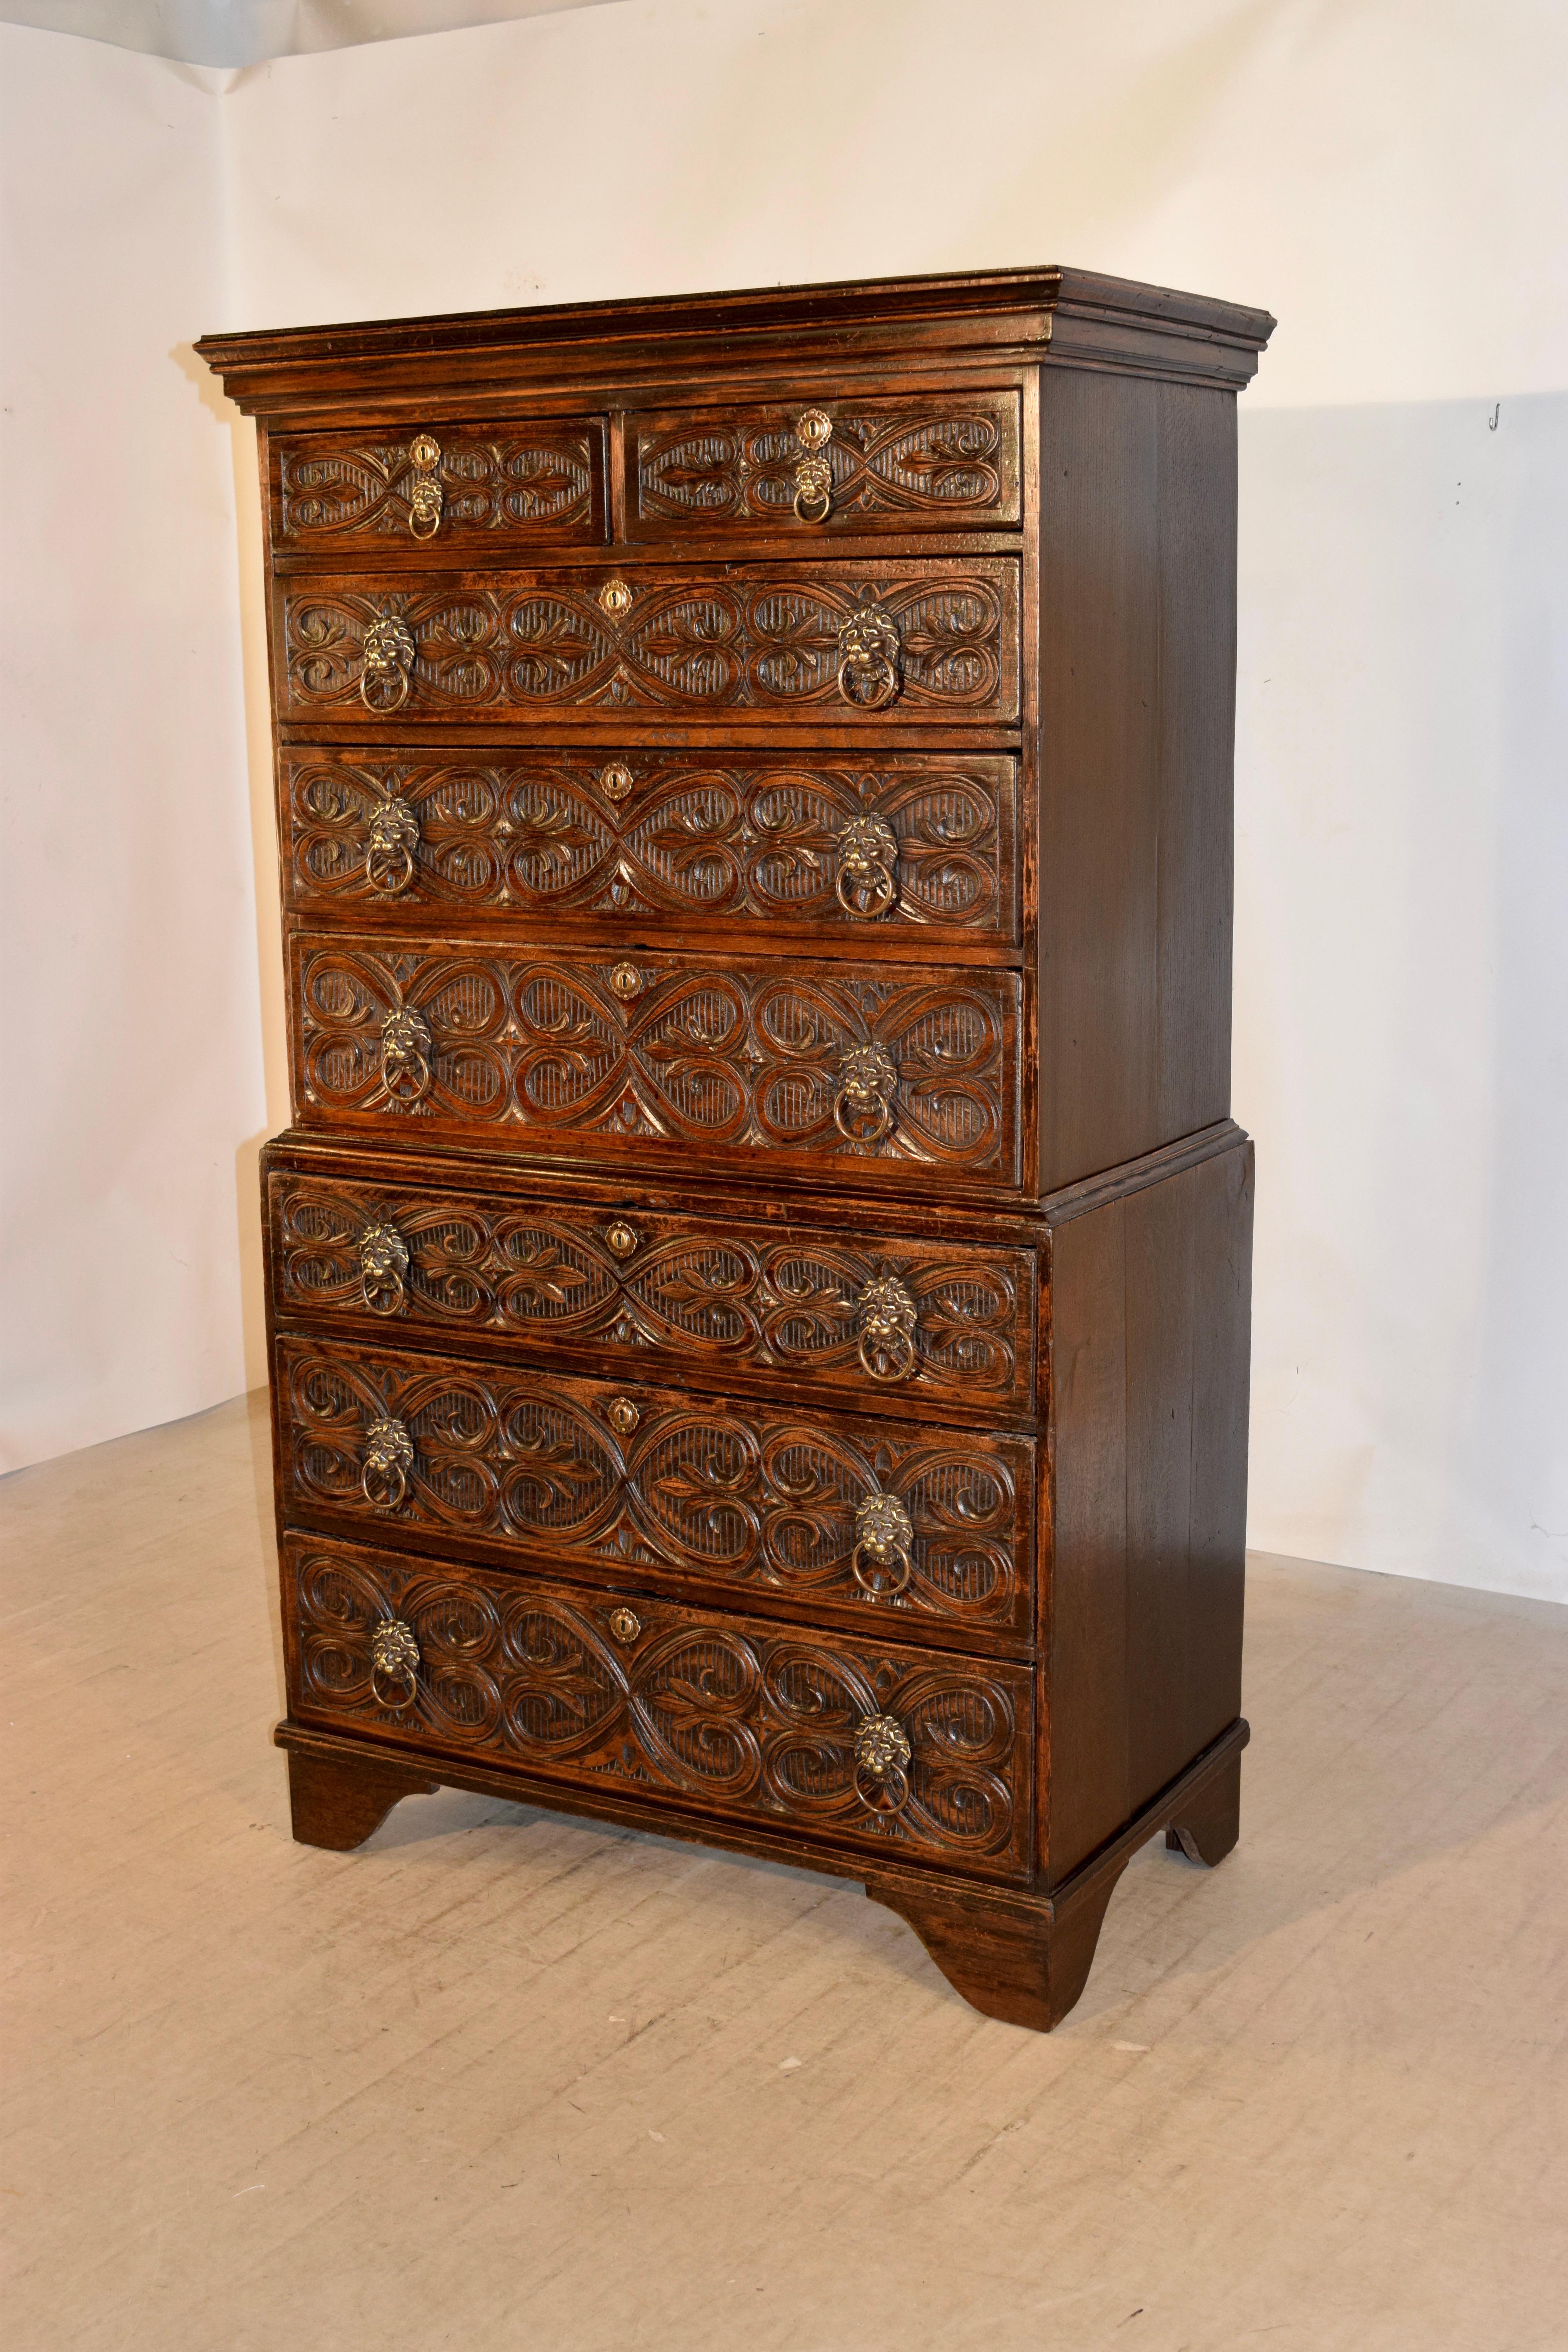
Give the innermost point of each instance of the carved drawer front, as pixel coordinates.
(939, 459)
(846, 1518)
(841, 847)
(930, 1323)
(454, 491)
(917, 1754)
(852, 642)
(881, 1068)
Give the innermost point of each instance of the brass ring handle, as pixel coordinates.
(867, 1078)
(389, 651)
(388, 1459)
(382, 1263)
(884, 1533)
(425, 495)
(889, 1323)
(813, 490)
(865, 883)
(869, 650)
(882, 1754)
(404, 1055)
(393, 834)
(395, 1659)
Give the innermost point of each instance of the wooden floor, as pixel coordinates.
(511, 2080)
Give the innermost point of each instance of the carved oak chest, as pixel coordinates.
(758, 1276)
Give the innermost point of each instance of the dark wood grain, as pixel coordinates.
(649, 1296)
(736, 848)
(689, 1493)
(693, 642)
(605, 889)
(513, 483)
(706, 1711)
(936, 458)
(602, 1056)
(1149, 1358)
(1137, 666)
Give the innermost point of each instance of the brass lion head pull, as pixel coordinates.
(388, 1459)
(424, 492)
(867, 854)
(392, 839)
(394, 1663)
(882, 1754)
(869, 649)
(382, 1263)
(812, 470)
(888, 1325)
(389, 651)
(881, 1560)
(863, 1107)
(405, 1054)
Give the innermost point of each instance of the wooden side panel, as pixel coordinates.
(1137, 685)
(1150, 1299)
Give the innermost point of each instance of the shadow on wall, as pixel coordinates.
(1401, 1013)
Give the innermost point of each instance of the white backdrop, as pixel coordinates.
(1389, 179)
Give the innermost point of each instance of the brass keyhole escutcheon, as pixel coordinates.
(424, 492)
(813, 471)
(623, 1416)
(620, 1240)
(616, 781)
(625, 1626)
(616, 599)
(626, 981)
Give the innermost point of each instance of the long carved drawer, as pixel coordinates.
(936, 1323)
(843, 1516)
(874, 1070)
(944, 460)
(462, 490)
(856, 642)
(922, 840)
(853, 1741)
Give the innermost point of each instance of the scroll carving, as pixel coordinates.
(781, 841)
(800, 1302)
(933, 459)
(733, 1059)
(763, 1498)
(336, 488)
(691, 640)
(766, 1722)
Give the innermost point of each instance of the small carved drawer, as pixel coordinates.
(929, 1325)
(854, 642)
(922, 841)
(942, 460)
(919, 1754)
(456, 492)
(845, 1516)
(883, 1070)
